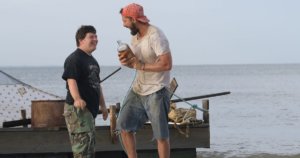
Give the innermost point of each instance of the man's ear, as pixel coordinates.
(80, 41)
(134, 21)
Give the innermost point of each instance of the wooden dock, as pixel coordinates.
(41, 137)
(29, 142)
(54, 142)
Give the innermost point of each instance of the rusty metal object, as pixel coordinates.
(47, 113)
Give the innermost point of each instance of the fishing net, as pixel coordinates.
(16, 96)
(181, 115)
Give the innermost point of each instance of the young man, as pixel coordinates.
(81, 73)
(149, 98)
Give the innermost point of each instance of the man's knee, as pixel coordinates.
(162, 140)
(126, 133)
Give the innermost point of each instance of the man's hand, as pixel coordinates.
(104, 112)
(123, 58)
(133, 62)
(79, 103)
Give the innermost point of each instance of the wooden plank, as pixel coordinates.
(28, 140)
(34, 141)
(22, 122)
(44, 155)
(173, 87)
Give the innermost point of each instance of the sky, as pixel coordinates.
(200, 32)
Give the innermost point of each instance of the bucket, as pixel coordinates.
(47, 113)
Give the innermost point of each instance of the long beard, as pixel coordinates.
(134, 30)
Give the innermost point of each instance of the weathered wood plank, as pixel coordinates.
(173, 87)
(22, 122)
(28, 140)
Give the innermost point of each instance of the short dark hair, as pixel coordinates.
(82, 31)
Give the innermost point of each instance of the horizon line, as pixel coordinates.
(6, 66)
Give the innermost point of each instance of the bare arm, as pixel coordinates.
(78, 102)
(163, 63)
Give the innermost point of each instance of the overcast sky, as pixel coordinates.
(42, 32)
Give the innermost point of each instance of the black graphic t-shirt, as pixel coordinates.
(85, 70)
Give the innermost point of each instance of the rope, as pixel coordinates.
(194, 106)
(184, 119)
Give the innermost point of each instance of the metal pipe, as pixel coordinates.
(199, 97)
(110, 74)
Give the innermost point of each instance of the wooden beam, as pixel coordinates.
(22, 122)
(56, 140)
(205, 106)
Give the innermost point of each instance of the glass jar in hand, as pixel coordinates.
(125, 51)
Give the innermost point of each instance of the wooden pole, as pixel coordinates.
(23, 115)
(113, 120)
(205, 106)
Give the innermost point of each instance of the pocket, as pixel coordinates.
(70, 117)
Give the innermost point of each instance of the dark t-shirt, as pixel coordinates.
(85, 70)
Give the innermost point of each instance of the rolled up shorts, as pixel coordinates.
(137, 109)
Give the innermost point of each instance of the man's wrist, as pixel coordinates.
(139, 65)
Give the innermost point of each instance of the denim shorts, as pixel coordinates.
(137, 109)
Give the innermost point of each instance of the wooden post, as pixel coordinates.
(113, 120)
(205, 105)
(23, 115)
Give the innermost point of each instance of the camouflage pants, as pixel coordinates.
(81, 127)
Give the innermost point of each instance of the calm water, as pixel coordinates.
(260, 118)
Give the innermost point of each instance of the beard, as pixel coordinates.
(133, 29)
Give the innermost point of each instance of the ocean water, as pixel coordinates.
(259, 119)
